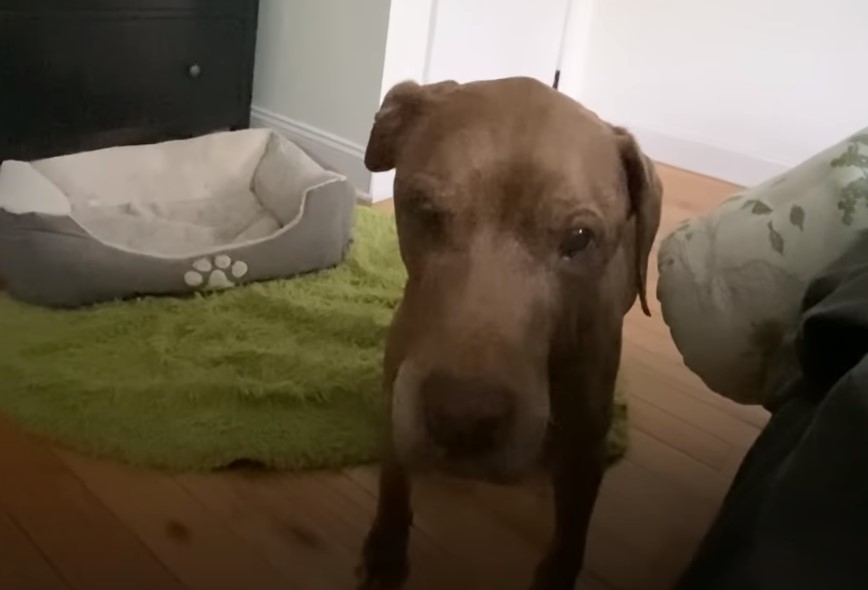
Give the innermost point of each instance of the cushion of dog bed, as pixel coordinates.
(208, 212)
(731, 281)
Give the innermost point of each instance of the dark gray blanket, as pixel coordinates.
(796, 515)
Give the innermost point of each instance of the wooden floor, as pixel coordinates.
(68, 522)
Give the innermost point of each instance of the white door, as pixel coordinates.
(484, 39)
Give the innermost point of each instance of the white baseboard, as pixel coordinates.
(329, 150)
(710, 160)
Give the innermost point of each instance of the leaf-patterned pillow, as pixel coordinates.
(785, 230)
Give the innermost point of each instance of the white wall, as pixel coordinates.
(407, 48)
(465, 40)
(319, 67)
(484, 39)
(739, 89)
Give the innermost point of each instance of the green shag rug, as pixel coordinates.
(284, 374)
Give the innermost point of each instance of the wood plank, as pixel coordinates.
(733, 463)
(527, 510)
(677, 467)
(651, 338)
(691, 190)
(291, 544)
(71, 527)
(658, 515)
(283, 515)
(666, 392)
(466, 528)
(680, 434)
(178, 529)
(434, 564)
(489, 516)
(22, 565)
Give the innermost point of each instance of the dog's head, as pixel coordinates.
(525, 224)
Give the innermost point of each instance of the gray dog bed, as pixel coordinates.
(171, 218)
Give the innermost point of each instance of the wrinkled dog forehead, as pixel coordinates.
(494, 116)
(514, 137)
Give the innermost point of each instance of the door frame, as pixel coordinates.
(409, 43)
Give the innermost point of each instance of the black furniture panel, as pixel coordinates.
(224, 7)
(86, 74)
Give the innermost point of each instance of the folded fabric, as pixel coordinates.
(731, 281)
(796, 516)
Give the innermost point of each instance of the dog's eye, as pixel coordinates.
(428, 214)
(576, 241)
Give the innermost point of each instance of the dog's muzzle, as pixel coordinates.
(466, 418)
(465, 425)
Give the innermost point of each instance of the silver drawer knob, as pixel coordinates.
(195, 71)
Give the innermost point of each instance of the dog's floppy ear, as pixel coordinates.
(402, 105)
(646, 197)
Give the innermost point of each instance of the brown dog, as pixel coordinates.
(525, 224)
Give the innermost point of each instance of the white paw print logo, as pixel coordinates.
(222, 273)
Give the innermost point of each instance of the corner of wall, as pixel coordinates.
(327, 149)
(382, 186)
(407, 48)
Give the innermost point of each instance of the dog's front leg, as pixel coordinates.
(576, 476)
(385, 564)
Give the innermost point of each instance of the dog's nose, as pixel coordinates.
(466, 417)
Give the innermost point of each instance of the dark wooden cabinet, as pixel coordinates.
(87, 74)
